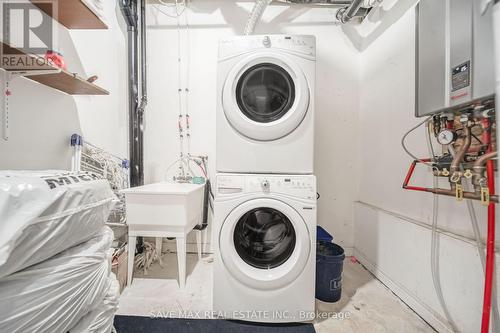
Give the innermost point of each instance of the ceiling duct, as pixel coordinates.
(347, 13)
(351, 8)
(320, 2)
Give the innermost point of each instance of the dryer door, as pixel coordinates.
(264, 244)
(266, 96)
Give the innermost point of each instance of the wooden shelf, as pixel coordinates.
(73, 14)
(63, 81)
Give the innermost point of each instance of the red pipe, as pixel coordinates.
(490, 243)
(410, 173)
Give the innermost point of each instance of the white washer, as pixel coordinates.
(264, 244)
(265, 104)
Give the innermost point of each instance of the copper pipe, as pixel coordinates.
(480, 168)
(455, 164)
(481, 161)
(467, 195)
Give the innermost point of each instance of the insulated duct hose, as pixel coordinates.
(255, 15)
(344, 15)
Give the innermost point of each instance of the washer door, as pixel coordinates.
(264, 244)
(265, 96)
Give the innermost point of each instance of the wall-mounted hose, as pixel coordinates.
(255, 15)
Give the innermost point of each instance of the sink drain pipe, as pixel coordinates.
(207, 197)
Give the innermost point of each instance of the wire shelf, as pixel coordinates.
(89, 157)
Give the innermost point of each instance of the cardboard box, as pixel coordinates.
(120, 268)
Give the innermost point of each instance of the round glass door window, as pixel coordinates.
(264, 238)
(265, 92)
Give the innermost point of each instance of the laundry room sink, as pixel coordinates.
(164, 210)
(164, 204)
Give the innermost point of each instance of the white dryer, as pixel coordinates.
(264, 244)
(265, 104)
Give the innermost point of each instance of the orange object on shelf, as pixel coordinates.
(56, 59)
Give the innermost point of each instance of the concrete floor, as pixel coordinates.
(366, 304)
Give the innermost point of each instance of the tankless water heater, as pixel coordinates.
(454, 54)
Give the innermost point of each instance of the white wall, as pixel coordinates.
(336, 97)
(365, 103)
(392, 226)
(43, 119)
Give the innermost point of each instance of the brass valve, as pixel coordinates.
(468, 174)
(459, 192)
(455, 177)
(485, 192)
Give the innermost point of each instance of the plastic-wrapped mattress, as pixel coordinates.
(44, 213)
(100, 319)
(54, 295)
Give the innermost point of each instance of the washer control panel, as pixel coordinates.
(296, 186)
(298, 44)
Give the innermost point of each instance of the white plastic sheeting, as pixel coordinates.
(44, 213)
(53, 296)
(100, 320)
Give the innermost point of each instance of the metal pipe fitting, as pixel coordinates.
(481, 161)
(466, 195)
(320, 2)
(479, 169)
(345, 14)
(455, 164)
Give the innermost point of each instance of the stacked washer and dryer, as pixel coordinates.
(265, 197)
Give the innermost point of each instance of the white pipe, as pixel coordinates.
(435, 272)
(255, 15)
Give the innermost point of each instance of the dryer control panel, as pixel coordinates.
(295, 186)
(297, 44)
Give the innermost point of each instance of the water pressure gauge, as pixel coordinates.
(446, 136)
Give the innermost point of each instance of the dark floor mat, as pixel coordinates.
(133, 324)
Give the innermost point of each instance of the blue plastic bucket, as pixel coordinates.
(329, 264)
(322, 235)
